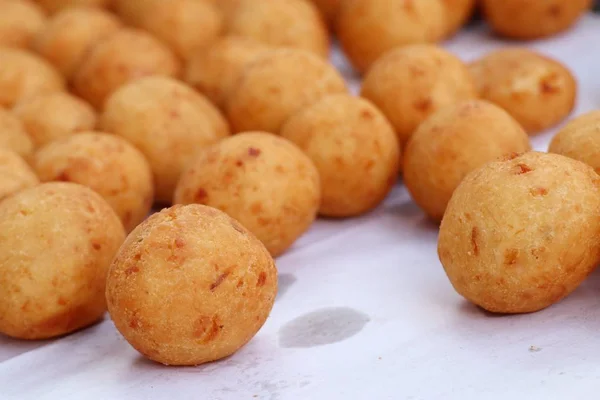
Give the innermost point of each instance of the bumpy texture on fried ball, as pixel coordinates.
(53, 6)
(52, 116)
(520, 235)
(190, 285)
(71, 34)
(533, 19)
(57, 241)
(216, 70)
(354, 148)
(453, 142)
(20, 21)
(458, 13)
(123, 57)
(369, 28)
(286, 23)
(13, 135)
(276, 86)
(23, 74)
(262, 180)
(15, 174)
(536, 90)
(410, 83)
(580, 140)
(168, 121)
(109, 165)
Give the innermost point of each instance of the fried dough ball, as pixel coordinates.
(57, 241)
(54, 6)
(215, 72)
(168, 121)
(123, 57)
(410, 83)
(533, 19)
(453, 142)
(286, 23)
(71, 34)
(458, 13)
(109, 165)
(23, 74)
(190, 285)
(262, 180)
(54, 115)
(536, 90)
(276, 86)
(329, 9)
(15, 174)
(369, 28)
(520, 235)
(354, 148)
(13, 135)
(580, 140)
(20, 21)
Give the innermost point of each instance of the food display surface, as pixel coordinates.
(364, 311)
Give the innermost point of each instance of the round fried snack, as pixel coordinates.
(54, 6)
(410, 83)
(536, 90)
(57, 241)
(123, 57)
(354, 148)
(527, 19)
(329, 9)
(13, 135)
(55, 115)
(262, 180)
(168, 121)
(71, 34)
(20, 21)
(15, 174)
(190, 285)
(520, 235)
(215, 71)
(24, 74)
(109, 165)
(458, 13)
(276, 86)
(453, 142)
(580, 140)
(369, 28)
(286, 23)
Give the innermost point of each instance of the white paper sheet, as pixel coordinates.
(365, 311)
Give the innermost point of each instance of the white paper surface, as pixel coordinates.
(373, 288)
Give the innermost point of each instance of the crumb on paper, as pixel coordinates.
(534, 349)
(379, 358)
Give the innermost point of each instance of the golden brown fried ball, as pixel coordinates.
(23, 74)
(580, 140)
(354, 148)
(410, 83)
(13, 135)
(168, 121)
(215, 72)
(109, 165)
(533, 19)
(286, 23)
(520, 235)
(54, 6)
(536, 90)
(369, 28)
(262, 180)
(20, 21)
(57, 241)
(453, 142)
(458, 13)
(71, 34)
(123, 57)
(190, 285)
(15, 174)
(329, 9)
(276, 86)
(52, 116)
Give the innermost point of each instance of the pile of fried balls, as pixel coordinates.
(228, 113)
